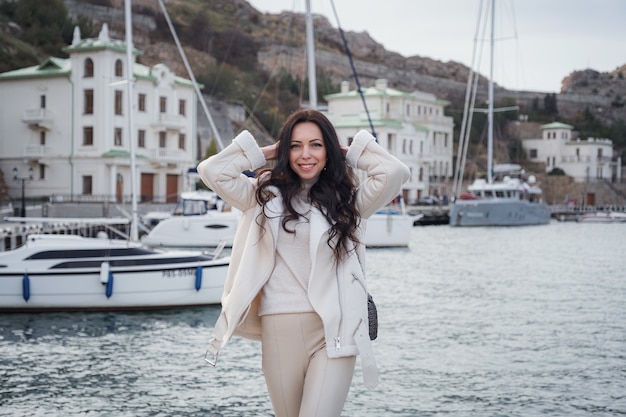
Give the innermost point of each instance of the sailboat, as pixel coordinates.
(504, 197)
(53, 272)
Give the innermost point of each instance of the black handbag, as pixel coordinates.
(372, 317)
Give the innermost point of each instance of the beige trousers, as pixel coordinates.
(301, 380)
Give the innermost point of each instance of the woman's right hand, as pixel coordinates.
(270, 151)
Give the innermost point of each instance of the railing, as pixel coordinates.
(164, 154)
(172, 121)
(37, 116)
(37, 151)
(574, 209)
(105, 198)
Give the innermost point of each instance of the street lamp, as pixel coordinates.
(23, 179)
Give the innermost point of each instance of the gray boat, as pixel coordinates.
(503, 198)
(507, 200)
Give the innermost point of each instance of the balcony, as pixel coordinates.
(38, 117)
(171, 121)
(164, 155)
(37, 151)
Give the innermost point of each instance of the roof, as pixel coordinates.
(51, 67)
(119, 153)
(62, 67)
(557, 125)
(103, 41)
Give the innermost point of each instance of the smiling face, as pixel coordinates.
(307, 151)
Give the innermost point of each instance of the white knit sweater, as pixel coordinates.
(287, 288)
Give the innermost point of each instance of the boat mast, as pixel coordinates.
(490, 103)
(134, 236)
(310, 51)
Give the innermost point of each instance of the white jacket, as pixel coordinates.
(338, 293)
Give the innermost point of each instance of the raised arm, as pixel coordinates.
(223, 172)
(385, 173)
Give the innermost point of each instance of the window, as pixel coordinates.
(42, 172)
(42, 137)
(118, 101)
(141, 105)
(390, 141)
(118, 136)
(181, 107)
(87, 136)
(87, 185)
(42, 101)
(88, 68)
(141, 138)
(162, 140)
(404, 146)
(88, 102)
(181, 141)
(119, 68)
(533, 153)
(163, 104)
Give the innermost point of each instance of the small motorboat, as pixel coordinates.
(68, 272)
(199, 220)
(602, 217)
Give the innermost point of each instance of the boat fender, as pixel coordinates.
(104, 272)
(26, 287)
(198, 277)
(109, 288)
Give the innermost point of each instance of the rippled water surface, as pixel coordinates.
(473, 322)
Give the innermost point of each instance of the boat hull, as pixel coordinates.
(388, 230)
(602, 217)
(131, 288)
(498, 213)
(75, 273)
(207, 230)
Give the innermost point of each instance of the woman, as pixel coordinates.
(295, 281)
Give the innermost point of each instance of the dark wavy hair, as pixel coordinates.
(334, 193)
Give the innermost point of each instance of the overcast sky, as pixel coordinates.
(540, 41)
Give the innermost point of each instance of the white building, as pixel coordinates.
(67, 119)
(585, 160)
(412, 126)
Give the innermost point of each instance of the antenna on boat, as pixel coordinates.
(193, 78)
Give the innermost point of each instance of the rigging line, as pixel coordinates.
(274, 71)
(193, 78)
(354, 73)
(470, 97)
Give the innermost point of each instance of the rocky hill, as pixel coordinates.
(278, 39)
(244, 56)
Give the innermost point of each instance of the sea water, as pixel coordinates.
(478, 322)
